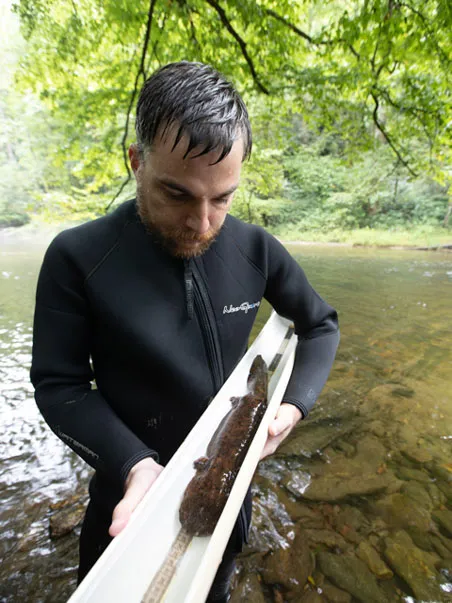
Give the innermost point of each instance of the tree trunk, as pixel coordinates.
(447, 216)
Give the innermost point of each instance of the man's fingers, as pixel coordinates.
(125, 508)
(274, 441)
(286, 417)
(117, 526)
(141, 478)
(278, 426)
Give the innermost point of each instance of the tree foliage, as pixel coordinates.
(366, 68)
(349, 101)
(371, 193)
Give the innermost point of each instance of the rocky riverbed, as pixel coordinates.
(355, 507)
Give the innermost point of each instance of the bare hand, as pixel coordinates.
(286, 418)
(140, 479)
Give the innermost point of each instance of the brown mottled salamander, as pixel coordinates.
(208, 491)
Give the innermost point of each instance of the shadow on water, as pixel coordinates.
(355, 506)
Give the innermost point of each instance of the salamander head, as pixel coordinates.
(258, 372)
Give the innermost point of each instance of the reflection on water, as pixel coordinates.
(36, 469)
(356, 506)
(367, 480)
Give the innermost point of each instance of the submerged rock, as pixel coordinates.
(416, 567)
(363, 474)
(446, 489)
(67, 515)
(313, 437)
(297, 482)
(345, 447)
(439, 546)
(418, 494)
(374, 562)
(409, 474)
(377, 428)
(441, 471)
(444, 518)
(289, 567)
(311, 596)
(329, 538)
(248, 590)
(335, 595)
(447, 542)
(417, 454)
(421, 539)
(270, 523)
(438, 497)
(400, 511)
(302, 513)
(445, 567)
(352, 575)
(349, 522)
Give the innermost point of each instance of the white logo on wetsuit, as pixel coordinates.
(244, 307)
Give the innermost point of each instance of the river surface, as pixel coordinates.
(355, 506)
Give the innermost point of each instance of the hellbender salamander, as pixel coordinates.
(208, 491)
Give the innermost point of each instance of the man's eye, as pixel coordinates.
(222, 201)
(177, 197)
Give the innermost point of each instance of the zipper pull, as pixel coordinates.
(188, 279)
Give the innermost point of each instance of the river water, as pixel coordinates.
(355, 506)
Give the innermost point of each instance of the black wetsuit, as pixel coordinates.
(162, 334)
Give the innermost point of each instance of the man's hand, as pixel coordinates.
(140, 479)
(286, 418)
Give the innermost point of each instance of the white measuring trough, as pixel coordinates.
(125, 570)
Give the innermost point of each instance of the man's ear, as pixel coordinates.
(134, 157)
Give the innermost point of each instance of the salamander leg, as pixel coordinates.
(201, 463)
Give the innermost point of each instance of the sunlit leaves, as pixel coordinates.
(374, 71)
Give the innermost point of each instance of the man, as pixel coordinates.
(142, 293)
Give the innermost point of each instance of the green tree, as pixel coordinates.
(375, 71)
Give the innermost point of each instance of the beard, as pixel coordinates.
(178, 241)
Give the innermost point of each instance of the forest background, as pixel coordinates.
(350, 103)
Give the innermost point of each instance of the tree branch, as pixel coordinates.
(121, 188)
(309, 38)
(387, 137)
(75, 9)
(141, 73)
(374, 55)
(354, 52)
(193, 31)
(241, 42)
(418, 112)
(153, 52)
(425, 21)
(290, 25)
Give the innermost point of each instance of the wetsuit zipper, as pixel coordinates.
(209, 328)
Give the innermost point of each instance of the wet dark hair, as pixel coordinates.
(197, 100)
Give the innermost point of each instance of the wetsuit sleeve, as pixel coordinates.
(62, 376)
(316, 325)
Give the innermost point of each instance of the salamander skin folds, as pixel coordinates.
(206, 494)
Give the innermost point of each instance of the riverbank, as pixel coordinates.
(447, 247)
(38, 232)
(420, 238)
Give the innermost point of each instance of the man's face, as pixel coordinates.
(185, 201)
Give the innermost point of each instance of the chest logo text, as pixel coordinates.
(244, 307)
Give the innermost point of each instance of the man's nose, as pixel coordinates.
(198, 218)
